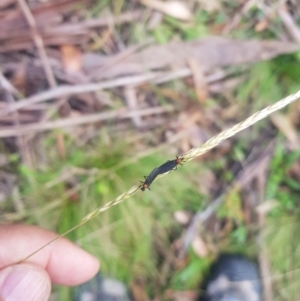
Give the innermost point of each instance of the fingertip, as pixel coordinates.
(24, 282)
(65, 262)
(70, 265)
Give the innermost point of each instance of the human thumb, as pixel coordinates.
(26, 282)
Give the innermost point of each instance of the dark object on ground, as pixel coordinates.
(232, 278)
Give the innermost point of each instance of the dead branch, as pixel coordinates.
(72, 90)
(91, 118)
(38, 42)
(289, 24)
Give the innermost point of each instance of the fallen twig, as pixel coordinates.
(78, 89)
(93, 23)
(38, 42)
(90, 118)
(9, 91)
(155, 77)
(7, 85)
(290, 24)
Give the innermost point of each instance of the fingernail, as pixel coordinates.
(24, 284)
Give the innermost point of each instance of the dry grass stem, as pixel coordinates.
(7, 85)
(289, 23)
(38, 42)
(126, 17)
(10, 91)
(78, 89)
(154, 77)
(188, 156)
(216, 140)
(85, 119)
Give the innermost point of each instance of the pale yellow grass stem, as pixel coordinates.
(188, 156)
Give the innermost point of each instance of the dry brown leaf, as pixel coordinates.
(71, 58)
(175, 9)
(200, 247)
(283, 123)
(210, 53)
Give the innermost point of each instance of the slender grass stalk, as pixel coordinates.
(188, 156)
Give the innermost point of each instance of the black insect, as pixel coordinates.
(179, 160)
(149, 179)
(166, 167)
(170, 165)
